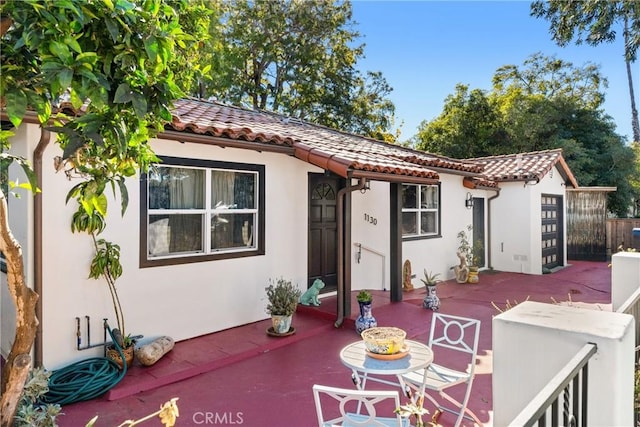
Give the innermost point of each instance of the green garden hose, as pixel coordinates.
(86, 379)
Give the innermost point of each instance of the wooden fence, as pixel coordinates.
(620, 233)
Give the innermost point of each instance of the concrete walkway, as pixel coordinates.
(242, 376)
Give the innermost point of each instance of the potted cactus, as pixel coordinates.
(431, 300)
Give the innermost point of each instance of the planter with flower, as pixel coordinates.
(282, 298)
(470, 256)
(431, 300)
(365, 320)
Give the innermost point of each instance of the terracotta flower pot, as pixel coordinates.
(113, 354)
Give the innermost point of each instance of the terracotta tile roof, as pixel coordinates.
(330, 149)
(525, 166)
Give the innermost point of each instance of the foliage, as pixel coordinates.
(113, 63)
(634, 181)
(30, 411)
(430, 279)
(466, 116)
(167, 414)
(522, 114)
(364, 296)
(297, 58)
(595, 22)
(466, 248)
(282, 296)
(553, 78)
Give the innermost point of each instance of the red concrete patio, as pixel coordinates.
(242, 376)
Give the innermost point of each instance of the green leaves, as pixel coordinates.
(16, 106)
(295, 58)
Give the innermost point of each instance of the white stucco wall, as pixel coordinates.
(370, 235)
(21, 225)
(371, 229)
(438, 254)
(182, 301)
(516, 242)
(533, 341)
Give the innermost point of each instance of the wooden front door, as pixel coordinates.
(552, 233)
(323, 234)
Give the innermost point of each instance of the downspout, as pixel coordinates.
(489, 200)
(344, 192)
(45, 138)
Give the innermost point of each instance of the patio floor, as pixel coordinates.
(242, 376)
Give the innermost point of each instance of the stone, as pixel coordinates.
(149, 354)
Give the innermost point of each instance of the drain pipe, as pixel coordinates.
(342, 244)
(45, 139)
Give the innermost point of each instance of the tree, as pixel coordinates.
(468, 126)
(114, 62)
(297, 58)
(594, 22)
(544, 104)
(552, 78)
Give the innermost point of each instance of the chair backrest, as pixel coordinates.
(455, 333)
(356, 407)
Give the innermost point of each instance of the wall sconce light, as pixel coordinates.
(468, 202)
(366, 187)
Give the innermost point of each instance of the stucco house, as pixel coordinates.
(243, 196)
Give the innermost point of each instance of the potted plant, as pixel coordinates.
(476, 255)
(365, 320)
(283, 301)
(106, 264)
(431, 300)
(469, 255)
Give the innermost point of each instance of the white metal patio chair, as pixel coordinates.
(357, 407)
(450, 336)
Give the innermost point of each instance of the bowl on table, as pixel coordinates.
(384, 340)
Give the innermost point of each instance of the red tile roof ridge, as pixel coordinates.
(515, 155)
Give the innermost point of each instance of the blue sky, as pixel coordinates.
(425, 48)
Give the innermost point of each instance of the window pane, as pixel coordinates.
(233, 190)
(429, 197)
(409, 223)
(186, 233)
(170, 234)
(428, 223)
(176, 188)
(232, 231)
(409, 196)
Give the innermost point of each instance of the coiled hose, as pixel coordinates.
(86, 379)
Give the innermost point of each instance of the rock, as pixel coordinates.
(149, 354)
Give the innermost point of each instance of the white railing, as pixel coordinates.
(632, 306)
(564, 400)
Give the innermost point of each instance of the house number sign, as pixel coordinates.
(370, 219)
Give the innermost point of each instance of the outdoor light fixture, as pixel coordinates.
(468, 202)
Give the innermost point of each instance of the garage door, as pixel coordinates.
(552, 235)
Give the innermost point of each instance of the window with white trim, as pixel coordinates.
(199, 210)
(420, 210)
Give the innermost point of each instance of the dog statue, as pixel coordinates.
(310, 297)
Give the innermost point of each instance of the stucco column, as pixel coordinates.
(533, 341)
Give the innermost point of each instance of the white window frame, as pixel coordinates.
(419, 210)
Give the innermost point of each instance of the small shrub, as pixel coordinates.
(31, 411)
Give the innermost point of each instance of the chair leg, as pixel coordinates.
(461, 413)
